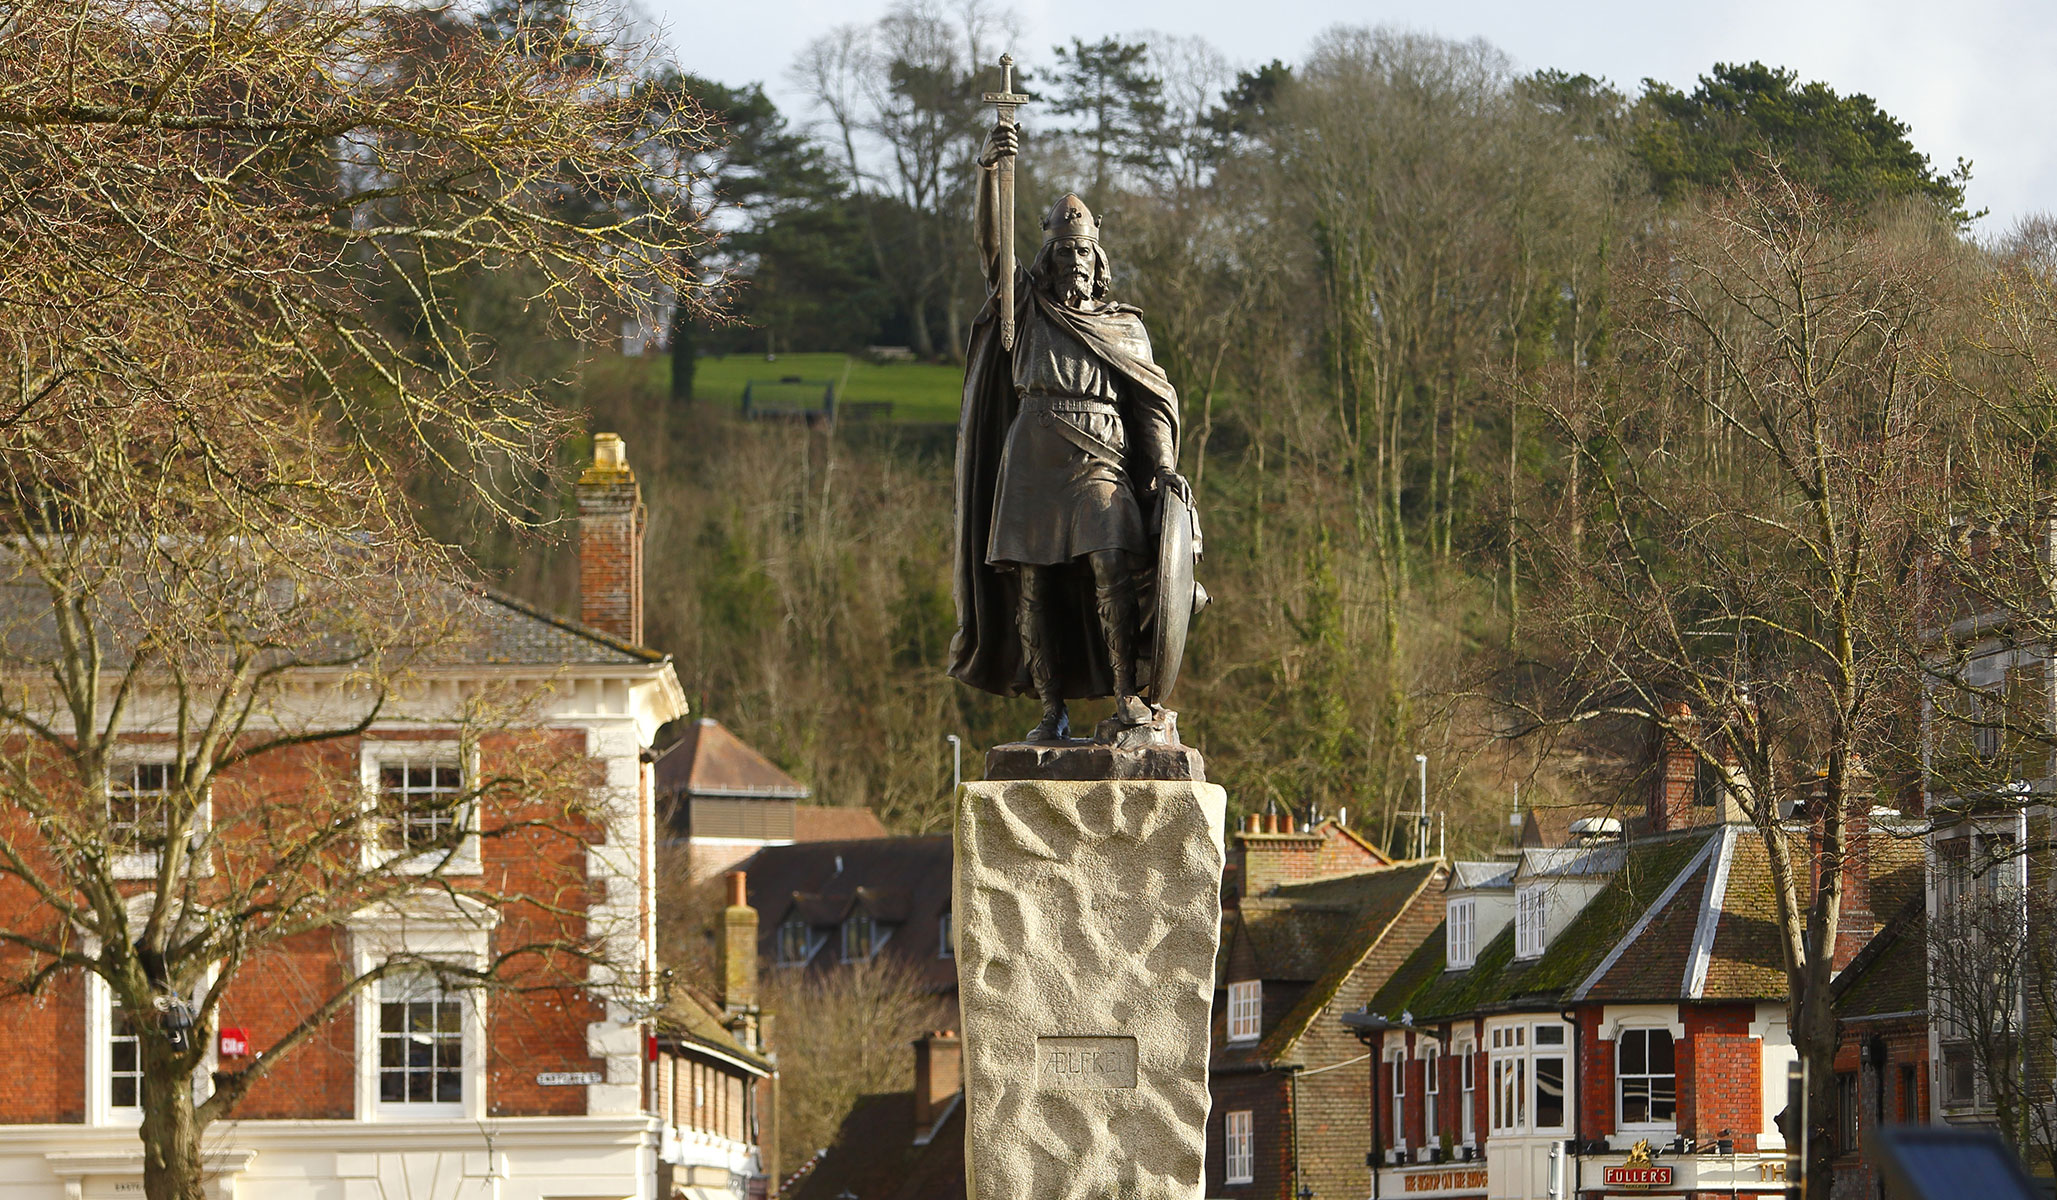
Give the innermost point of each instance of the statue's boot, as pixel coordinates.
(1116, 600)
(1032, 619)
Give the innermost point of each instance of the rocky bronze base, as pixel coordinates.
(1082, 761)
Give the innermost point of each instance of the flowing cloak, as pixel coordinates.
(986, 650)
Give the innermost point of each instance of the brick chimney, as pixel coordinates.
(738, 949)
(611, 523)
(1273, 853)
(938, 1075)
(1678, 770)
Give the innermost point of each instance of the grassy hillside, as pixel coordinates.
(918, 392)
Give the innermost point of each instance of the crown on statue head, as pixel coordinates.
(1070, 218)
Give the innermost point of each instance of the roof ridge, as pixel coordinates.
(1711, 909)
(576, 628)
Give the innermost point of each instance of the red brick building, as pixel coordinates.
(1600, 1018)
(419, 1087)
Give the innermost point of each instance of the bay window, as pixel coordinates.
(1528, 1076)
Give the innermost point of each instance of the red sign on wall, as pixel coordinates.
(1637, 1177)
(235, 1043)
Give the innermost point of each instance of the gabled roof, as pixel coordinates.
(1567, 861)
(902, 882)
(708, 760)
(1649, 884)
(1322, 932)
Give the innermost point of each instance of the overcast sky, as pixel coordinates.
(1973, 78)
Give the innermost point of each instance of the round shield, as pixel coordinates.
(1179, 597)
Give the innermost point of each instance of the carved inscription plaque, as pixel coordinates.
(1086, 1062)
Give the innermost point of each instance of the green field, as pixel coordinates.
(918, 392)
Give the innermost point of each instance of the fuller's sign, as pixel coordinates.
(1637, 1177)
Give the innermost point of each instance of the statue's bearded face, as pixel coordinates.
(1071, 271)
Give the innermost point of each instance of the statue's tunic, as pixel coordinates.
(1063, 490)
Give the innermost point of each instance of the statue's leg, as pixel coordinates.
(1114, 594)
(1033, 621)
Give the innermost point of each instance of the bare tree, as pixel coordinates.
(1757, 457)
(211, 214)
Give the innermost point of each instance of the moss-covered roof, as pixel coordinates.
(1497, 981)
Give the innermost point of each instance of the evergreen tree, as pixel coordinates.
(1739, 117)
(1108, 88)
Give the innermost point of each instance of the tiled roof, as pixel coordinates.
(1471, 876)
(461, 623)
(694, 1019)
(874, 1156)
(836, 823)
(1747, 960)
(901, 881)
(1350, 916)
(708, 760)
(1889, 976)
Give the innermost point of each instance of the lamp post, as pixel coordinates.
(956, 762)
(1370, 1029)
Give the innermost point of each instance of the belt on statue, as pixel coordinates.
(1083, 406)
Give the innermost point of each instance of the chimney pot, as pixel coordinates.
(738, 888)
(1285, 823)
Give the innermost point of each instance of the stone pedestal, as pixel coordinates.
(1087, 917)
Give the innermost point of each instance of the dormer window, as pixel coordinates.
(1460, 932)
(1530, 931)
(796, 942)
(860, 938)
(1245, 1010)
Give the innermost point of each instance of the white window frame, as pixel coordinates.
(99, 1023)
(1460, 932)
(1621, 1035)
(375, 752)
(430, 926)
(143, 863)
(1467, 1080)
(1245, 1010)
(1431, 1055)
(1238, 1148)
(1513, 1081)
(1396, 1094)
(1531, 921)
(383, 993)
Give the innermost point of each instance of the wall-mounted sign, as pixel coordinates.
(569, 1078)
(1436, 1181)
(1636, 1176)
(234, 1042)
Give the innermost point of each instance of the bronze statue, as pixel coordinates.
(1075, 532)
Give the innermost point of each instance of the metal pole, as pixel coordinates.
(956, 762)
(1421, 825)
